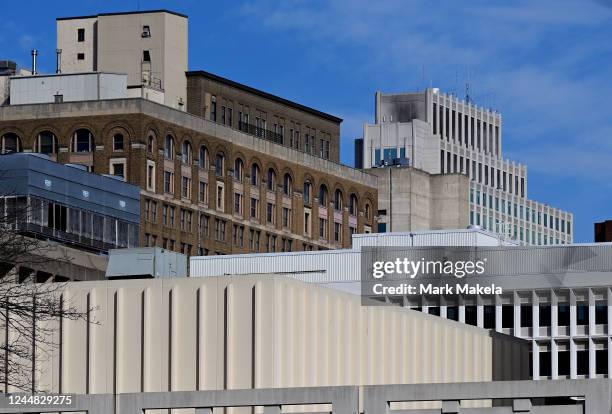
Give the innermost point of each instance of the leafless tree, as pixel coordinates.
(30, 312)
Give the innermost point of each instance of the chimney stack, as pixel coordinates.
(34, 54)
(58, 52)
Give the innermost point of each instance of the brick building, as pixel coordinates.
(206, 188)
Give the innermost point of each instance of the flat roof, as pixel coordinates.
(263, 94)
(123, 13)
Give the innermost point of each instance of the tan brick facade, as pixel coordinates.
(303, 128)
(145, 126)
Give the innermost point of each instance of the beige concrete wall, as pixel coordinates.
(114, 43)
(244, 332)
(415, 200)
(67, 40)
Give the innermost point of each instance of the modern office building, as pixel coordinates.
(603, 231)
(74, 214)
(441, 134)
(150, 46)
(258, 331)
(556, 297)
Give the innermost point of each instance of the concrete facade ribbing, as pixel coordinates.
(258, 331)
(469, 141)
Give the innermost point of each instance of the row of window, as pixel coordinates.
(513, 230)
(46, 142)
(465, 129)
(276, 134)
(545, 314)
(530, 215)
(483, 174)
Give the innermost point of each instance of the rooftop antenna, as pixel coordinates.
(468, 98)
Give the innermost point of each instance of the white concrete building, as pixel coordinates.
(565, 314)
(441, 134)
(72, 87)
(150, 46)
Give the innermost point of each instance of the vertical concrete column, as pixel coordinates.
(535, 358)
(535, 315)
(498, 317)
(517, 315)
(554, 314)
(573, 359)
(609, 356)
(554, 359)
(480, 316)
(592, 370)
(591, 298)
(443, 313)
(462, 313)
(572, 314)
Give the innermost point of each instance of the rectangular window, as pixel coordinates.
(219, 230)
(146, 56)
(172, 216)
(204, 225)
(323, 228)
(237, 203)
(254, 208)
(168, 182)
(118, 169)
(337, 232)
(213, 108)
(220, 197)
(150, 175)
(80, 35)
(203, 192)
(186, 187)
(286, 217)
(270, 213)
(80, 56)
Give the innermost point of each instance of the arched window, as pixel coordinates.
(118, 143)
(238, 169)
(82, 141)
(219, 165)
(307, 192)
(186, 155)
(151, 143)
(353, 205)
(338, 200)
(255, 174)
(46, 143)
(11, 143)
(287, 184)
(203, 161)
(323, 195)
(271, 184)
(366, 212)
(169, 147)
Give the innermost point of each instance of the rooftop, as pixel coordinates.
(123, 13)
(263, 94)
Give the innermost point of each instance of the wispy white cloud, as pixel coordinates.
(542, 63)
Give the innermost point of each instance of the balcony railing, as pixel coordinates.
(260, 132)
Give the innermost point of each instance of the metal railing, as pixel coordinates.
(545, 397)
(260, 132)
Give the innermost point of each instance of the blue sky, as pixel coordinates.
(545, 65)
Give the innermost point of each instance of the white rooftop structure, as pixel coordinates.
(338, 269)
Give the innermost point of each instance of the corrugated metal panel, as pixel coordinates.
(331, 265)
(460, 237)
